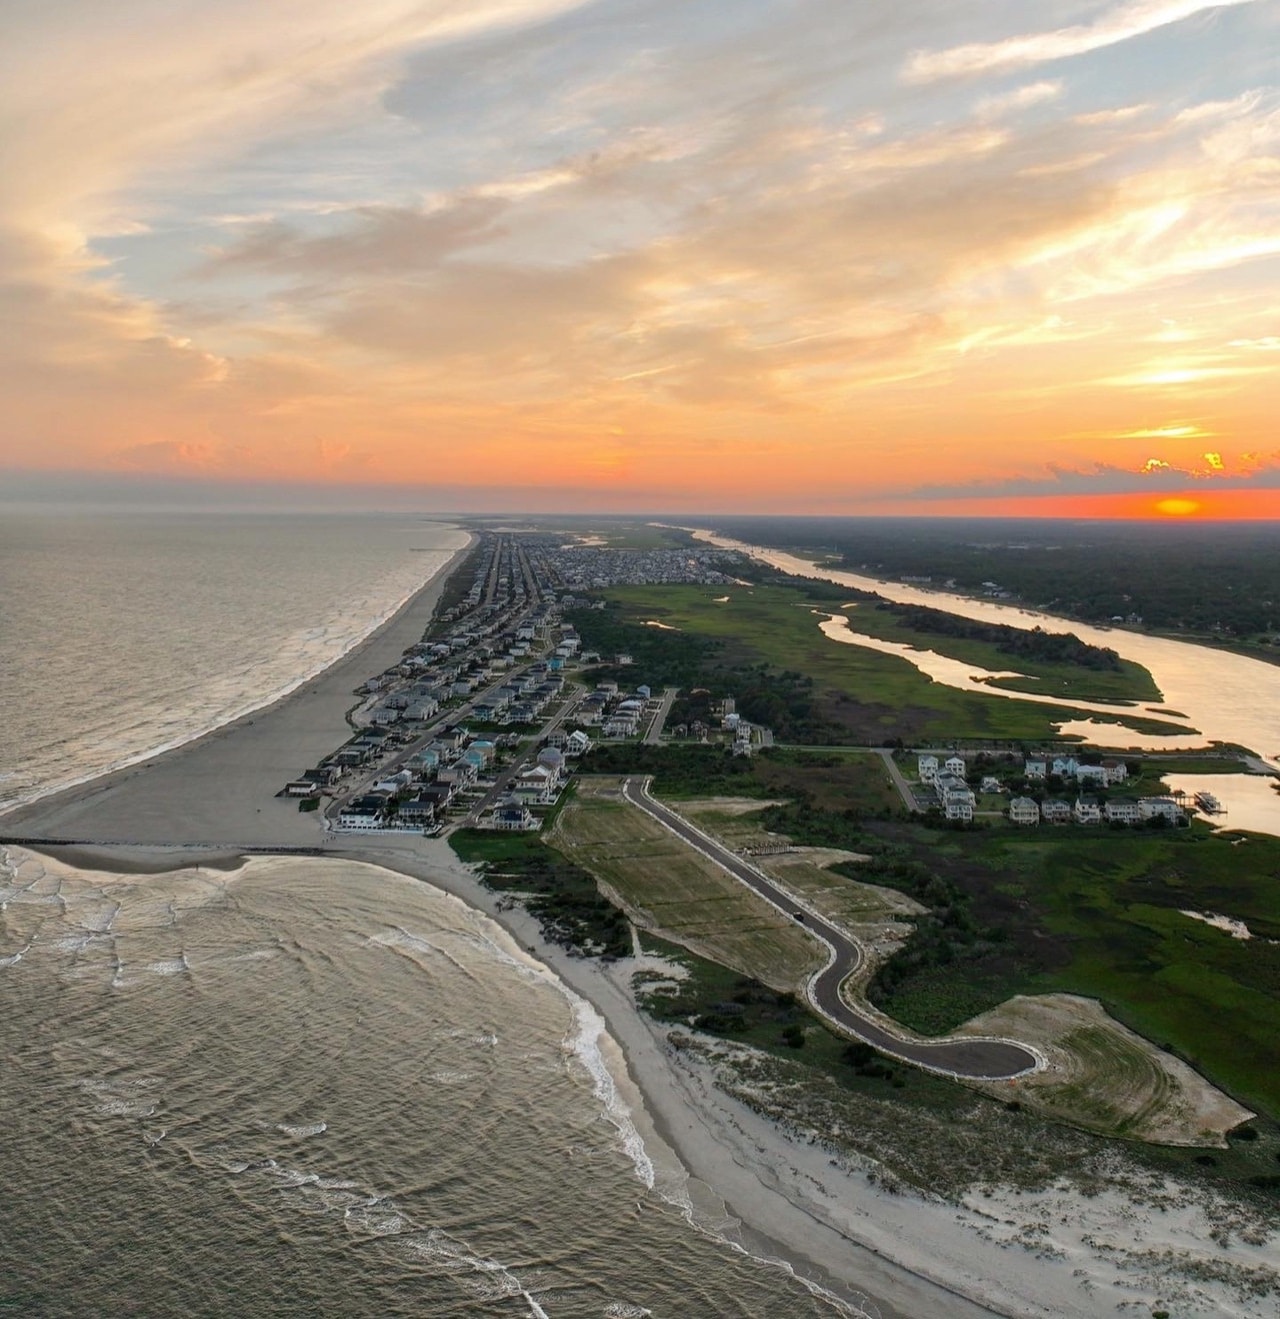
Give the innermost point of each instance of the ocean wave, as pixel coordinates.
(309, 652)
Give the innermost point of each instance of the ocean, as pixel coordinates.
(300, 1086)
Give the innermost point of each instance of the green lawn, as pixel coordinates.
(870, 695)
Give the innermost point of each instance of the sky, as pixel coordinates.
(789, 256)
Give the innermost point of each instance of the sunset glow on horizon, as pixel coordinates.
(776, 256)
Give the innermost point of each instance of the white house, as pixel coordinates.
(1116, 771)
(959, 809)
(577, 743)
(927, 768)
(1150, 807)
(1055, 812)
(1091, 774)
(352, 819)
(956, 765)
(1065, 767)
(990, 784)
(1087, 811)
(1036, 768)
(1122, 812)
(1022, 810)
(536, 784)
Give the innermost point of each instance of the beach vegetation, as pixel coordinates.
(561, 895)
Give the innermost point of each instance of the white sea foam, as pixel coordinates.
(585, 1045)
(302, 1130)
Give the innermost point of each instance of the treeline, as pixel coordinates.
(1198, 577)
(1035, 644)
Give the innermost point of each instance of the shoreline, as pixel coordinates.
(222, 783)
(705, 1147)
(785, 1196)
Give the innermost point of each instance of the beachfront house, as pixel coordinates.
(1056, 812)
(418, 812)
(1022, 810)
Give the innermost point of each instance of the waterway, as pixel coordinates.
(1225, 697)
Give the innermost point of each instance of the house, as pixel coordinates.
(990, 784)
(303, 787)
(351, 819)
(1091, 774)
(956, 765)
(624, 658)
(1036, 768)
(325, 775)
(1065, 767)
(461, 774)
(956, 796)
(927, 768)
(1116, 771)
(418, 812)
(577, 743)
(536, 785)
(1087, 811)
(1055, 812)
(1122, 811)
(1161, 807)
(439, 795)
(1022, 810)
(514, 815)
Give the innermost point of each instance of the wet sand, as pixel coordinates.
(220, 789)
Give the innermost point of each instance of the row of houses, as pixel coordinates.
(416, 797)
(1105, 774)
(1087, 810)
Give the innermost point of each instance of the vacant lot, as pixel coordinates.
(670, 889)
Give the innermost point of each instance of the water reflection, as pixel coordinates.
(1229, 698)
(972, 677)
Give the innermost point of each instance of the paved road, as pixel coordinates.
(903, 787)
(659, 720)
(977, 1059)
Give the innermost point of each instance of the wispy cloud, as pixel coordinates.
(1123, 24)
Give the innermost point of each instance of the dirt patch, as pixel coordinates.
(1105, 1077)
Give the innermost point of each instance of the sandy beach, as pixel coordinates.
(789, 1196)
(220, 788)
(781, 1194)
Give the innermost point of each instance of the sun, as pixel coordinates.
(1178, 507)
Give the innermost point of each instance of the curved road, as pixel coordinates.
(976, 1058)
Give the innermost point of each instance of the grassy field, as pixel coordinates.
(869, 695)
(1100, 914)
(667, 887)
(1131, 682)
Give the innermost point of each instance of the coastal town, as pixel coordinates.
(482, 722)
